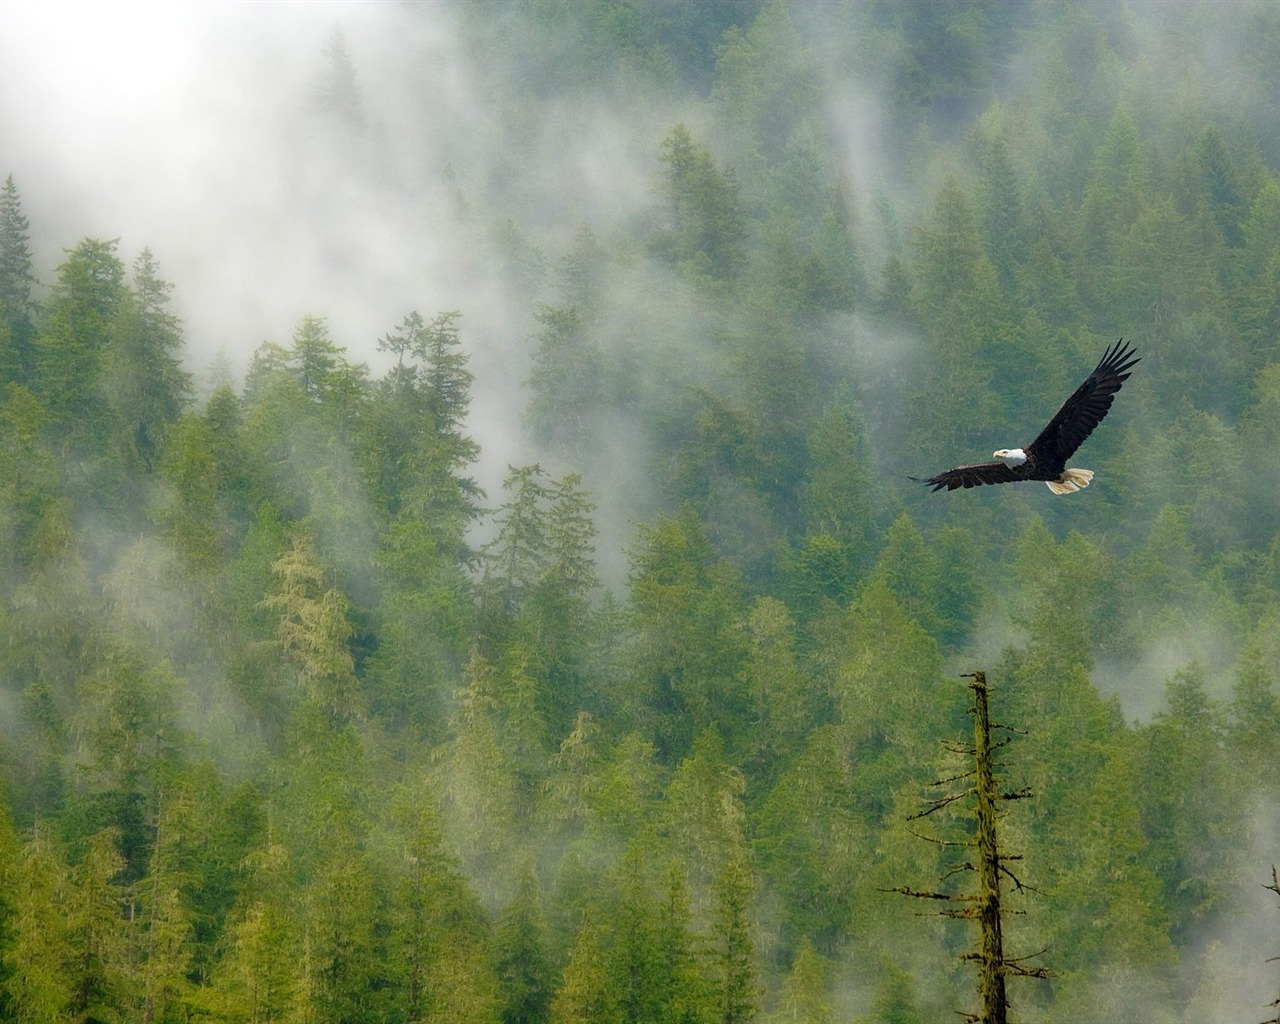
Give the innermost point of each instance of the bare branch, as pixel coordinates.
(954, 778)
(938, 804)
(905, 891)
(957, 869)
(940, 842)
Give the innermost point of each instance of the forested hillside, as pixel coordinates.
(573, 648)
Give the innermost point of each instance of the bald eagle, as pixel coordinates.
(1045, 458)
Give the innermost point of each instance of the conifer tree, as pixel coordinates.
(71, 350)
(439, 958)
(10, 868)
(314, 632)
(17, 302)
(586, 994)
(144, 378)
(255, 981)
(703, 207)
(521, 962)
(340, 975)
(163, 928)
(565, 380)
(733, 950)
(98, 968)
(805, 997)
(39, 985)
(337, 92)
(635, 961)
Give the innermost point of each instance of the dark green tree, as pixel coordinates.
(143, 376)
(341, 975)
(1218, 184)
(98, 971)
(736, 992)
(521, 962)
(1186, 814)
(704, 225)
(39, 983)
(18, 311)
(71, 349)
(688, 655)
(10, 874)
(586, 994)
(806, 997)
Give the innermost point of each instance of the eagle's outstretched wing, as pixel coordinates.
(1085, 409)
(972, 476)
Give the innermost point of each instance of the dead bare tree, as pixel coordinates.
(1275, 888)
(988, 863)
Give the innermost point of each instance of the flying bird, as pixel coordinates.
(1045, 458)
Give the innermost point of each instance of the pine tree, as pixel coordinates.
(100, 981)
(163, 925)
(586, 994)
(1187, 817)
(566, 381)
(895, 1000)
(786, 706)
(521, 961)
(144, 377)
(635, 959)
(337, 92)
(10, 876)
(733, 951)
(314, 632)
(28, 475)
(17, 302)
(687, 654)
(340, 974)
(39, 985)
(805, 997)
(705, 223)
(71, 350)
(255, 981)
(440, 962)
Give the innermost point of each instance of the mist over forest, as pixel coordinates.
(458, 561)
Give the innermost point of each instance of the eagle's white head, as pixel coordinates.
(1011, 456)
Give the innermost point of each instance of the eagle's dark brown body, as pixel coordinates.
(1046, 456)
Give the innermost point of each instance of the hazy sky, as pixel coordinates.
(182, 127)
(190, 128)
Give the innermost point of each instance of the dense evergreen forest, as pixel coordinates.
(302, 720)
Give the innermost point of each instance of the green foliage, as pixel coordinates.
(521, 963)
(685, 605)
(17, 292)
(73, 345)
(296, 721)
(705, 228)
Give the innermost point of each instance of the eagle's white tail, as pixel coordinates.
(1071, 480)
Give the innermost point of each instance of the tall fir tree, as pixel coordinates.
(18, 312)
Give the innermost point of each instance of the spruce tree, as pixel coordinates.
(521, 961)
(17, 281)
(71, 350)
(144, 376)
